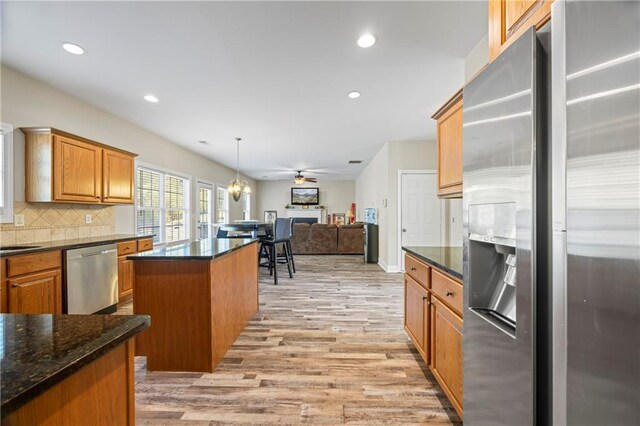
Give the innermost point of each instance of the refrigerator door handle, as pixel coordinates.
(559, 213)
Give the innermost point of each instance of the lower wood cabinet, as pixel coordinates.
(416, 315)
(125, 279)
(432, 319)
(33, 283)
(36, 293)
(125, 267)
(446, 351)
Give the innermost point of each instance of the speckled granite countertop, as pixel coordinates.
(449, 259)
(39, 351)
(195, 250)
(71, 243)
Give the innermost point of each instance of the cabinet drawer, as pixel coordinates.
(36, 262)
(447, 290)
(127, 247)
(146, 244)
(417, 270)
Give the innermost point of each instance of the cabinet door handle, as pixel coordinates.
(424, 297)
(413, 268)
(97, 197)
(448, 293)
(14, 284)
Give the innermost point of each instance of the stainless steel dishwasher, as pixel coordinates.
(91, 284)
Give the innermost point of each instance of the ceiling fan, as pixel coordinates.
(299, 179)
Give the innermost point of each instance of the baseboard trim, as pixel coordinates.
(389, 269)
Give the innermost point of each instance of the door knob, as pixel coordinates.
(404, 229)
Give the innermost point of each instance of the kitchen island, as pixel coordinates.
(200, 296)
(68, 369)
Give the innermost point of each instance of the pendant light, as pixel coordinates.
(237, 187)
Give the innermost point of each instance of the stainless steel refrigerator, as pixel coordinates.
(552, 225)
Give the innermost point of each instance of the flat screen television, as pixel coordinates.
(305, 196)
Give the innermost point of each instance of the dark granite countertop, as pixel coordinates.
(195, 250)
(449, 259)
(71, 243)
(39, 351)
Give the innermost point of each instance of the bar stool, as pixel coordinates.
(269, 247)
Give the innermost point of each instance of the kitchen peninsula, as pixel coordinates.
(68, 369)
(200, 296)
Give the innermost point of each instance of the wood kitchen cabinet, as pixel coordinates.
(509, 19)
(117, 177)
(125, 267)
(449, 147)
(433, 322)
(36, 293)
(61, 167)
(77, 170)
(446, 351)
(33, 283)
(125, 279)
(417, 315)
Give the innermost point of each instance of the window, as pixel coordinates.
(162, 205)
(6, 173)
(222, 205)
(246, 206)
(205, 203)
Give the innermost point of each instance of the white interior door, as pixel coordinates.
(421, 211)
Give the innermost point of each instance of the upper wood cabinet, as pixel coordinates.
(60, 167)
(508, 19)
(449, 118)
(117, 177)
(77, 170)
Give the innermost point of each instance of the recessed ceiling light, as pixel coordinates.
(366, 40)
(354, 94)
(73, 48)
(150, 98)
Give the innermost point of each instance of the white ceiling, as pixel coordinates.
(276, 74)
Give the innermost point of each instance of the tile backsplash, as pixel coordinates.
(55, 221)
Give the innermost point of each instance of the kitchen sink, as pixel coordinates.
(3, 248)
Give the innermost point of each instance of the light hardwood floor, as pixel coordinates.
(326, 347)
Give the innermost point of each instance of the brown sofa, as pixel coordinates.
(351, 239)
(320, 238)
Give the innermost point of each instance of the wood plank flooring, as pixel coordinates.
(326, 347)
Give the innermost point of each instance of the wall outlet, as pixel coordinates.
(18, 220)
(87, 219)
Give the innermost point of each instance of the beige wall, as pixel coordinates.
(28, 102)
(372, 191)
(377, 184)
(335, 195)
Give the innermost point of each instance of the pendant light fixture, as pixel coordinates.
(237, 187)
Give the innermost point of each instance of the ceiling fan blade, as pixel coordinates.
(313, 180)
